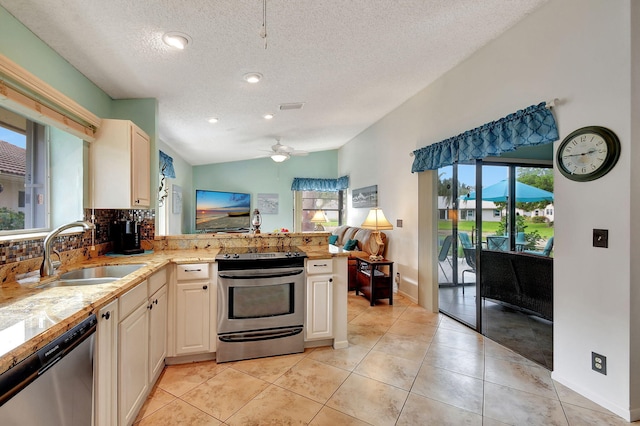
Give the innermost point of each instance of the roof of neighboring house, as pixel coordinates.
(13, 159)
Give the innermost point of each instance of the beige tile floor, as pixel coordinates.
(404, 366)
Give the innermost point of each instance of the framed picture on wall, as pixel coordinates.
(268, 203)
(365, 197)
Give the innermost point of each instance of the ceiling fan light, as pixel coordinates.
(279, 158)
(213, 120)
(268, 116)
(252, 77)
(176, 40)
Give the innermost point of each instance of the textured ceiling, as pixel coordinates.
(350, 61)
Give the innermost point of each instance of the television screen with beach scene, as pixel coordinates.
(218, 211)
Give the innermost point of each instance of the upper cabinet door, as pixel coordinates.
(140, 168)
(120, 166)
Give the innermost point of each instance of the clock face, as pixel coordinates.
(584, 154)
(588, 153)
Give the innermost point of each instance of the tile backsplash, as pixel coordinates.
(24, 249)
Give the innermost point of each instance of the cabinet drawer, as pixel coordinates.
(195, 271)
(157, 280)
(132, 299)
(319, 266)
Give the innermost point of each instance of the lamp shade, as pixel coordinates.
(375, 220)
(318, 217)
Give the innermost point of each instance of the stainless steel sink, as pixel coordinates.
(94, 275)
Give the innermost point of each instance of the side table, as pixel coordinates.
(373, 281)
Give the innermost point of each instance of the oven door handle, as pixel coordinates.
(259, 275)
(260, 335)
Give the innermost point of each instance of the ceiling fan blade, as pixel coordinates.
(298, 153)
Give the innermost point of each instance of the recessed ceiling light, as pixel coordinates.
(268, 116)
(252, 77)
(176, 39)
(213, 120)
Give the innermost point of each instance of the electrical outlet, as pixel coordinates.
(398, 277)
(599, 363)
(399, 223)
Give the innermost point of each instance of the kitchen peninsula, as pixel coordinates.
(31, 317)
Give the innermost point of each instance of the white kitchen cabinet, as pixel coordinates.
(192, 318)
(319, 312)
(192, 309)
(157, 332)
(120, 160)
(106, 366)
(158, 317)
(133, 362)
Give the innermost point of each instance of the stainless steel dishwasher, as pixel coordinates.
(53, 386)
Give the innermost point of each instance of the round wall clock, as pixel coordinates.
(588, 153)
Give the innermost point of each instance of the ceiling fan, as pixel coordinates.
(280, 153)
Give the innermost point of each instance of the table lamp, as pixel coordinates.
(318, 218)
(376, 221)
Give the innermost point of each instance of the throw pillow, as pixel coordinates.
(333, 239)
(350, 245)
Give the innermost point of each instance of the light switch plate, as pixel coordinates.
(399, 223)
(601, 238)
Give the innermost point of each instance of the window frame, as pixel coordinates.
(298, 208)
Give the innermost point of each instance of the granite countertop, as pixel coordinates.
(31, 317)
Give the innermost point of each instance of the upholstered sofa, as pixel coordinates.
(366, 245)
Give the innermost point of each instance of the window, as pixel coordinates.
(496, 213)
(39, 165)
(309, 202)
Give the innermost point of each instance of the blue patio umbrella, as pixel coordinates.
(500, 191)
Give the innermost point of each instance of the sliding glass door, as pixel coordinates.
(456, 243)
(494, 216)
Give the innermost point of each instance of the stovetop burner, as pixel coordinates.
(257, 253)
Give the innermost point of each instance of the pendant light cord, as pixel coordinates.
(263, 33)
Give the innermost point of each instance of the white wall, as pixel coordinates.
(575, 50)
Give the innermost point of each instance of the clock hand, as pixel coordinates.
(591, 151)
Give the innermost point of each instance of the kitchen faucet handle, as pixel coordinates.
(56, 263)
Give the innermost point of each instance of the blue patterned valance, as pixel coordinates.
(166, 166)
(531, 126)
(323, 185)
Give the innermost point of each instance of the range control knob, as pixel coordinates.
(226, 255)
(236, 256)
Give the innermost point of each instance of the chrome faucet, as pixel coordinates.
(49, 266)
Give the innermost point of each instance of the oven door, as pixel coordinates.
(258, 299)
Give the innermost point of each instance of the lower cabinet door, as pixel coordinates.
(133, 363)
(105, 366)
(192, 317)
(157, 332)
(319, 316)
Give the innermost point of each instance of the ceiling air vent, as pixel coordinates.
(295, 105)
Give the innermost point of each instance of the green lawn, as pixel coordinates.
(490, 228)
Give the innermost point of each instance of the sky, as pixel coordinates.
(467, 174)
(13, 137)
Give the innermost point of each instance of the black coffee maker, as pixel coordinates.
(125, 235)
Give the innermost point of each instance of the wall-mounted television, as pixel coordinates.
(218, 211)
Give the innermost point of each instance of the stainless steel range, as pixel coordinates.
(260, 302)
